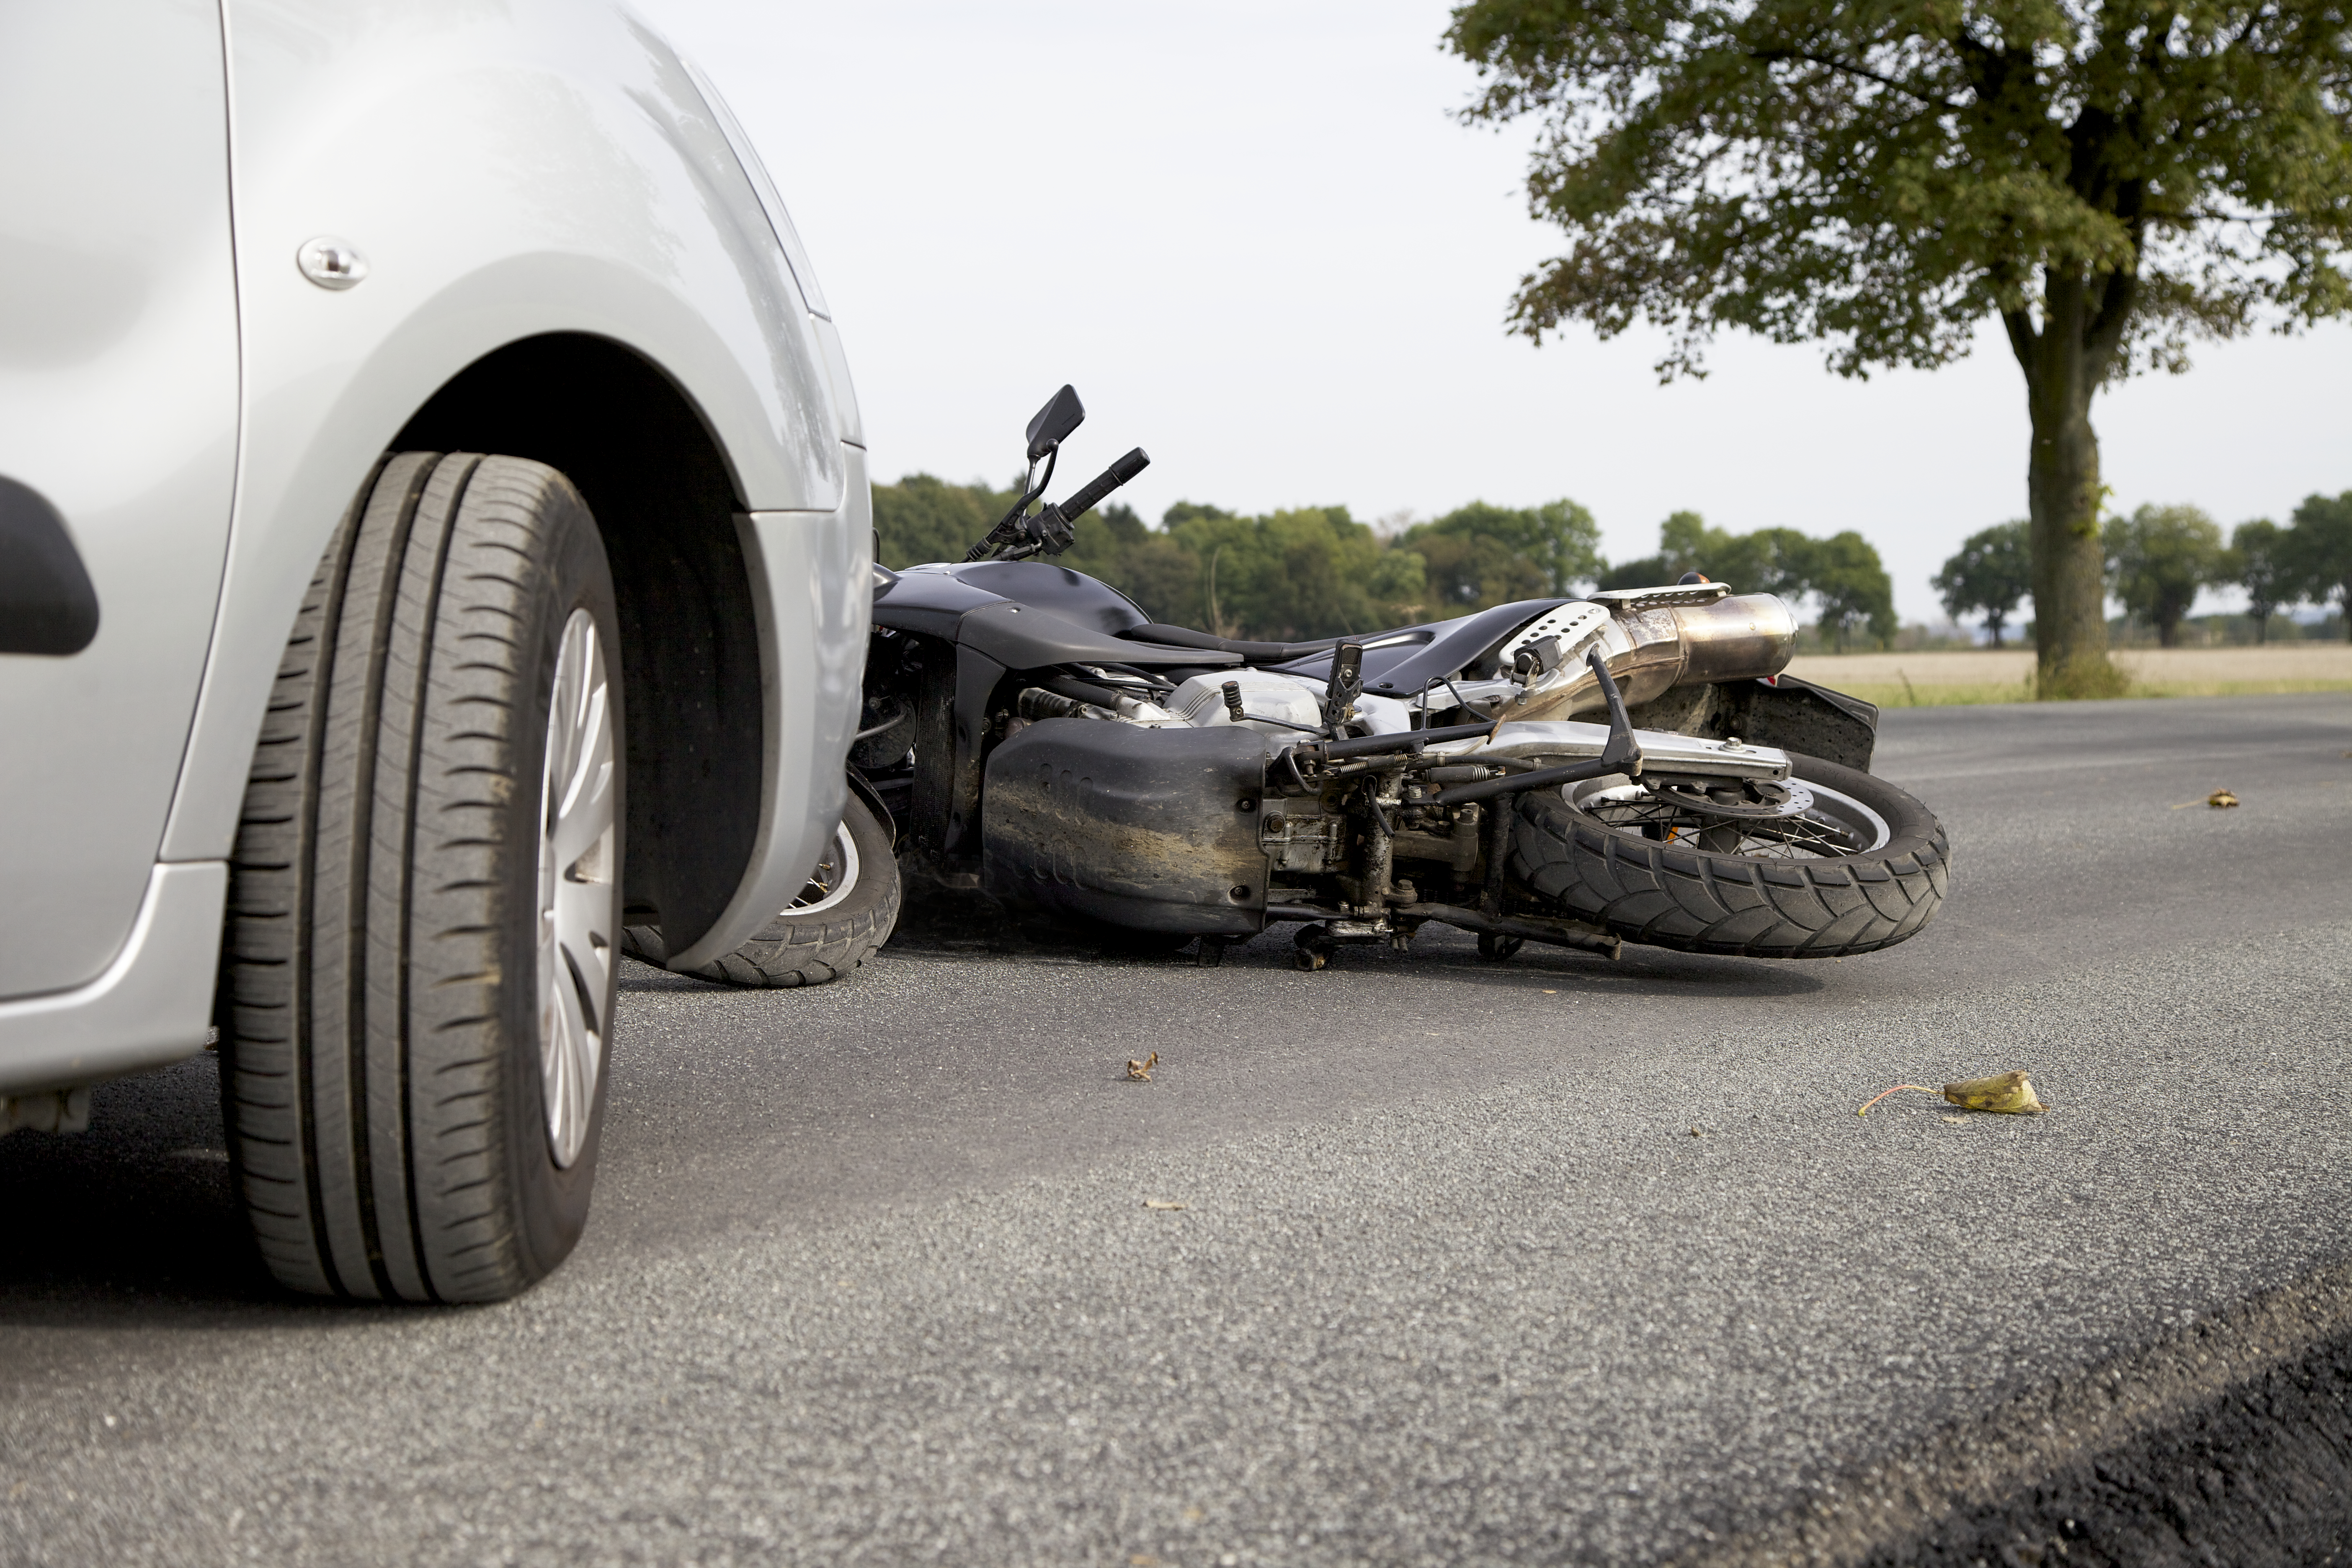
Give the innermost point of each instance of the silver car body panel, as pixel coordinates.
(118, 403)
(504, 172)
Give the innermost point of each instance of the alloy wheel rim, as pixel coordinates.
(577, 905)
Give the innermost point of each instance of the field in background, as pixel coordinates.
(1935, 679)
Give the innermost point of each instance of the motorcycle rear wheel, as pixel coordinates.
(1860, 867)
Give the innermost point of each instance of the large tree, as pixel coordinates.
(2106, 180)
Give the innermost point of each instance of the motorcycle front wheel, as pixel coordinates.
(840, 919)
(1845, 863)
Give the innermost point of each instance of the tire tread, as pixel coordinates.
(1695, 901)
(364, 999)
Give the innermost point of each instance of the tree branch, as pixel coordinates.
(1769, 57)
(2105, 336)
(2023, 340)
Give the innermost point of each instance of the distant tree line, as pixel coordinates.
(1315, 572)
(2160, 557)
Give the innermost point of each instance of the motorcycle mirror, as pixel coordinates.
(1062, 412)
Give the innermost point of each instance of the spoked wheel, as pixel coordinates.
(846, 912)
(1832, 863)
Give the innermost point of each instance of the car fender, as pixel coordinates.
(507, 173)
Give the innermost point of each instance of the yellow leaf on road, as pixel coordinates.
(2010, 1093)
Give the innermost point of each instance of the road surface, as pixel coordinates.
(1555, 1260)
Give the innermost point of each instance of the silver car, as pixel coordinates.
(434, 533)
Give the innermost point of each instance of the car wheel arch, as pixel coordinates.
(665, 497)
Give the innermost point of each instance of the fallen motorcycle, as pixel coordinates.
(1627, 767)
(1633, 766)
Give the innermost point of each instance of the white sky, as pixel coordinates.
(1256, 238)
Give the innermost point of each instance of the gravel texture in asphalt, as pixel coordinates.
(1554, 1260)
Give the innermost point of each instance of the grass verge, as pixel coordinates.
(1926, 694)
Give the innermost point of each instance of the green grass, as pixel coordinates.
(1922, 695)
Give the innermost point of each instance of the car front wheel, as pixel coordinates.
(425, 910)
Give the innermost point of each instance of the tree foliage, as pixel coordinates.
(922, 518)
(2260, 561)
(1842, 574)
(1989, 576)
(2321, 549)
(2106, 178)
(2160, 556)
(1307, 572)
(1885, 176)
(1482, 554)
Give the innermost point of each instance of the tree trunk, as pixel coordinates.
(1992, 625)
(2061, 372)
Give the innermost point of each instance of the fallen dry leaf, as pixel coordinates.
(1141, 1070)
(2221, 800)
(1164, 1203)
(2009, 1093)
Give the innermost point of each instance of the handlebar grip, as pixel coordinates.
(1102, 484)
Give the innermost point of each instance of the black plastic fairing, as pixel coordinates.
(1149, 829)
(1020, 636)
(927, 599)
(1056, 615)
(1072, 595)
(1787, 713)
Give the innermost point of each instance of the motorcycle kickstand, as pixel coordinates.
(1211, 953)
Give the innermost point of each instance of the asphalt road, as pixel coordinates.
(872, 1279)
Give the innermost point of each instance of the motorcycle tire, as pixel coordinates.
(1864, 868)
(841, 918)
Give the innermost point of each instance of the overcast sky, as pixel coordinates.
(1258, 241)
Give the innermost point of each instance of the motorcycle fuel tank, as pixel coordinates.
(1149, 829)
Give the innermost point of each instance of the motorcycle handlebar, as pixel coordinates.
(1102, 484)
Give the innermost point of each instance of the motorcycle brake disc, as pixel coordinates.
(1777, 800)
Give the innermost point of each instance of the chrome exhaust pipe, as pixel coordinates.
(1652, 639)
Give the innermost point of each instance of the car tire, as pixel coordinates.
(425, 894)
(841, 919)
